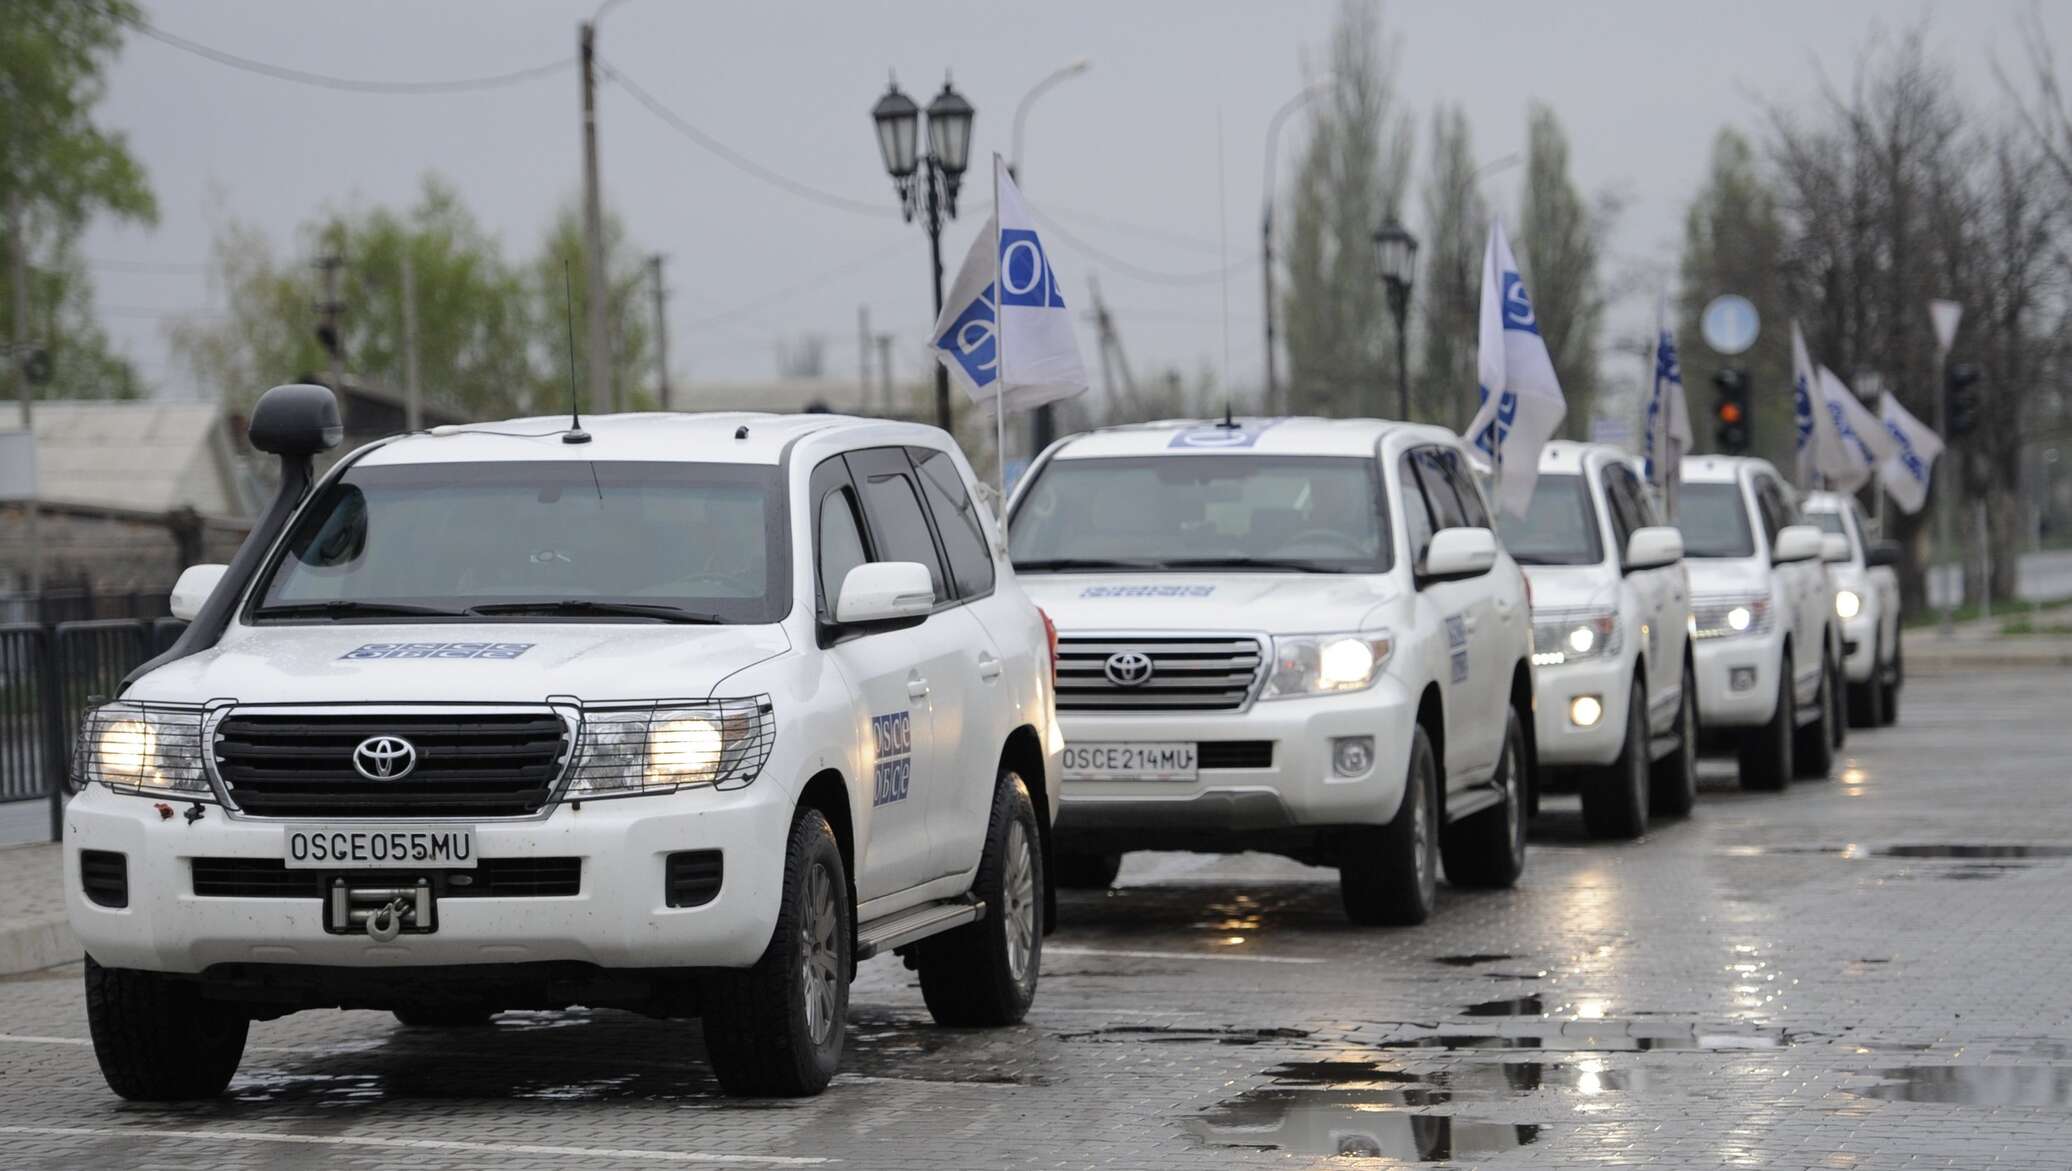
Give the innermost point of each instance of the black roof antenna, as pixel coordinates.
(1228, 423)
(575, 432)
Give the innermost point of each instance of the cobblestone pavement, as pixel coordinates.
(1863, 973)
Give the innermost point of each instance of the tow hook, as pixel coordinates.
(386, 922)
(384, 909)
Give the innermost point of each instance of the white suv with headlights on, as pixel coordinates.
(1611, 659)
(1763, 628)
(1292, 635)
(682, 714)
(1867, 602)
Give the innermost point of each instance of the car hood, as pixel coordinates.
(505, 662)
(1571, 587)
(1727, 575)
(1268, 602)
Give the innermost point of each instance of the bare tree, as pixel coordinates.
(1456, 222)
(1732, 244)
(1559, 253)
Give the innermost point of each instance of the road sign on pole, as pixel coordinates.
(1945, 315)
(1730, 323)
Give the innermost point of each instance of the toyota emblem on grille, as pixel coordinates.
(1128, 668)
(384, 758)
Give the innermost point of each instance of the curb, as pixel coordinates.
(34, 944)
(1985, 659)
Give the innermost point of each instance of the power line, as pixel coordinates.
(779, 295)
(1136, 271)
(351, 84)
(684, 127)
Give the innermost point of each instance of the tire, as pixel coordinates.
(775, 1029)
(445, 1016)
(1891, 687)
(1388, 876)
(157, 1039)
(1867, 699)
(1838, 714)
(1076, 871)
(1615, 797)
(1487, 850)
(1814, 754)
(983, 974)
(1675, 777)
(1766, 752)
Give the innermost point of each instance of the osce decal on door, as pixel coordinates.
(894, 735)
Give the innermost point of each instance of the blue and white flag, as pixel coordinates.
(1667, 433)
(1521, 397)
(1822, 460)
(1864, 443)
(1018, 351)
(1914, 448)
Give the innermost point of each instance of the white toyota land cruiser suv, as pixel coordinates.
(1611, 656)
(1290, 635)
(1867, 602)
(1762, 621)
(684, 714)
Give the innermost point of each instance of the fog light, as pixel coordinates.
(1585, 710)
(1741, 678)
(1352, 756)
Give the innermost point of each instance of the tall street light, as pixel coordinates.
(1044, 426)
(1273, 170)
(927, 182)
(1395, 255)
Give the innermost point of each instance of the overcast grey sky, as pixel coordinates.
(1126, 156)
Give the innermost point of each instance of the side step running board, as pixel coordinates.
(914, 924)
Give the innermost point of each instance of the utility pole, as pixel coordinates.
(863, 355)
(1945, 316)
(885, 373)
(661, 331)
(329, 310)
(602, 392)
(413, 403)
(18, 266)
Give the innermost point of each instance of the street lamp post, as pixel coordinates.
(1273, 156)
(1395, 254)
(1043, 426)
(927, 183)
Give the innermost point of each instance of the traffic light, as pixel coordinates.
(1730, 411)
(1961, 387)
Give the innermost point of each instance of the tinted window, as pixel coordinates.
(1558, 528)
(838, 546)
(899, 525)
(1714, 521)
(1829, 522)
(1621, 495)
(956, 519)
(1432, 472)
(1473, 511)
(1417, 510)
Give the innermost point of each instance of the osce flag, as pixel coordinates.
(1521, 398)
(1853, 459)
(1667, 435)
(1820, 450)
(1005, 332)
(1906, 472)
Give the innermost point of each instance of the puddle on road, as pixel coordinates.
(1602, 1036)
(1472, 960)
(2030, 853)
(1359, 1124)
(1508, 1006)
(1179, 1033)
(1973, 1085)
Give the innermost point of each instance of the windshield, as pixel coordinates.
(1714, 520)
(1829, 522)
(522, 538)
(1560, 528)
(1320, 514)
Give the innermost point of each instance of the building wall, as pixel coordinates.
(111, 553)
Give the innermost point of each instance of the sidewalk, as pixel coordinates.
(1979, 646)
(33, 933)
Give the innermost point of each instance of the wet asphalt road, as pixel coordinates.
(1863, 973)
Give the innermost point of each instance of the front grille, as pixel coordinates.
(1189, 672)
(104, 877)
(270, 878)
(1234, 754)
(466, 766)
(692, 878)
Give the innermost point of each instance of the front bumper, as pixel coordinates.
(1860, 645)
(1226, 805)
(1737, 679)
(619, 918)
(1560, 741)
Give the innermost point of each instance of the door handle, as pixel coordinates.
(917, 688)
(988, 667)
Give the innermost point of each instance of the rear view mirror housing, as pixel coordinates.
(1455, 554)
(1834, 548)
(1796, 543)
(196, 583)
(298, 420)
(885, 591)
(1654, 547)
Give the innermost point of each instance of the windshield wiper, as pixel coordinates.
(573, 606)
(1068, 563)
(343, 608)
(1295, 564)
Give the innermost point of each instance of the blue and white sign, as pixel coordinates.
(1730, 323)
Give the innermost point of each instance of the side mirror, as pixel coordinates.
(296, 420)
(1458, 553)
(884, 590)
(1834, 547)
(1654, 547)
(1796, 543)
(196, 583)
(1882, 553)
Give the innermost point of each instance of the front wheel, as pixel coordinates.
(156, 1037)
(984, 974)
(1815, 750)
(1388, 875)
(775, 1029)
(1765, 755)
(1675, 776)
(1615, 797)
(1893, 682)
(1867, 699)
(1487, 849)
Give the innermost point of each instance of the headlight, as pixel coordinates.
(1730, 617)
(1564, 636)
(142, 748)
(625, 750)
(1848, 603)
(1318, 664)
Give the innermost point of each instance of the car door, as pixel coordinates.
(1802, 583)
(1500, 633)
(893, 723)
(1653, 592)
(1429, 504)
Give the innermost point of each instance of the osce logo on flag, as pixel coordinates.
(1802, 408)
(1908, 457)
(1025, 275)
(1491, 440)
(973, 340)
(1517, 306)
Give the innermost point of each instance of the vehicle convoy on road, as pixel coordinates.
(1291, 635)
(1617, 702)
(683, 714)
(1867, 602)
(1765, 642)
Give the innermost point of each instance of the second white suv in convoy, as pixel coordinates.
(1763, 629)
(682, 714)
(1617, 708)
(1867, 602)
(1291, 635)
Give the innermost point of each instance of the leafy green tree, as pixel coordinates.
(558, 288)
(1558, 254)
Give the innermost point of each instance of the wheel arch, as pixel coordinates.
(1522, 702)
(827, 792)
(1431, 716)
(1023, 752)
